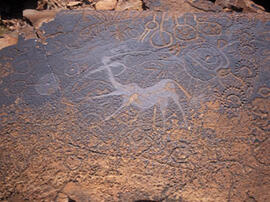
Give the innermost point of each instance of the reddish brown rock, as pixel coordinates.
(129, 5)
(137, 106)
(106, 4)
(8, 39)
(37, 18)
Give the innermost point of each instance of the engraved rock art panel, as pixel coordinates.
(137, 106)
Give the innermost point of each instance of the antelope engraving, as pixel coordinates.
(142, 98)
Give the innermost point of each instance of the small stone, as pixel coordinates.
(8, 40)
(74, 3)
(37, 18)
(106, 4)
(254, 7)
(129, 5)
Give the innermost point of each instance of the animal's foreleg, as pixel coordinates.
(116, 112)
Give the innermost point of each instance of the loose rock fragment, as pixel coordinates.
(129, 5)
(254, 7)
(37, 18)
(240, 5)
(8, 40)
(74, 3)
(106, 4)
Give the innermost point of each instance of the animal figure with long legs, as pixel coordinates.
(142, 98)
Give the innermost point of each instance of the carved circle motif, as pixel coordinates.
(208, 56)
(185, 32)
(247, 48)
(203, 60)
(245, 35)
(233, 98)
(161, 39)
(264, 92)
(245, 69)
(72, 70)
(152, 25)
(209, 28)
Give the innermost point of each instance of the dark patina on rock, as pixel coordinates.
(137, 106)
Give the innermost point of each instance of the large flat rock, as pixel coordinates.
(133, 106)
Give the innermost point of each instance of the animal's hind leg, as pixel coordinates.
(176, 101)
(163, 107)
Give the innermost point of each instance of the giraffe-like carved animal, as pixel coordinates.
(142, 98)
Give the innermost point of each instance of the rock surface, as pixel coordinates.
(137, 106)
(11, 13)
(204, 6)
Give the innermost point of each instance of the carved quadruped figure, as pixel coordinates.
(142, 98)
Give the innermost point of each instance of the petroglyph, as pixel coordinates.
(157, 106)
(142, 98)
(48, 84)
